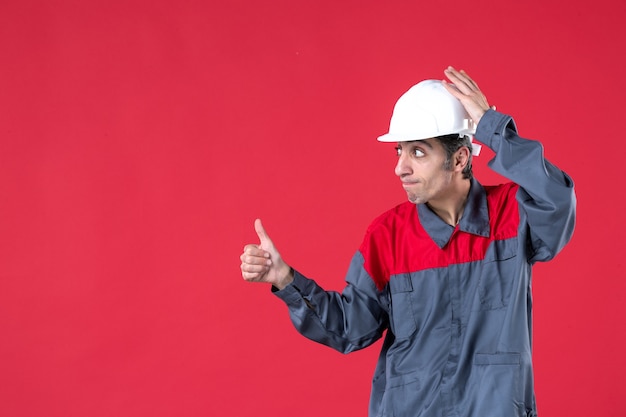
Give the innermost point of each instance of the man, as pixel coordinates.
(447, 274)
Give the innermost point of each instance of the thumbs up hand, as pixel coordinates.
(263, 263)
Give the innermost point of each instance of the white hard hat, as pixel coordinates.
(428, 110)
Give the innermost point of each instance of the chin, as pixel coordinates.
(415, 199)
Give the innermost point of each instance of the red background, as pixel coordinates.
(139, 140)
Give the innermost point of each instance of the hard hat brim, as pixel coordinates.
(392, 137)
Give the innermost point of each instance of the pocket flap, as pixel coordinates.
(501, 250)
(497, 359)
(400, 283)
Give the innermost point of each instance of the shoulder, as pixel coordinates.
(380, 239)
(498, 194)
(384, 230)
(390, 220)
(503, 209)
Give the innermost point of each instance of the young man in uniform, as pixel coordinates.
(446, 274)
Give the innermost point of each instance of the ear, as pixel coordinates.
(461, 158)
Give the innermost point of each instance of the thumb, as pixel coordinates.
(266, 242)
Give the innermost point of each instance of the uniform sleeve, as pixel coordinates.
(346, 321)
(546, 194)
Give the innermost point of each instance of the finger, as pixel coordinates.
(469, 80)
(453, 74)
(460, 80)
(452, 89)
(253, 268)
(255, 259)
(262, 234)
(251, 276)
(255, 250)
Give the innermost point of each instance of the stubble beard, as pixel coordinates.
(426, 195)
(415, 198)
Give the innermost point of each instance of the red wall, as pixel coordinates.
(140, 139)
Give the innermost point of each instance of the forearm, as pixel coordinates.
(518, 159)
(546, 193)
(345, 321)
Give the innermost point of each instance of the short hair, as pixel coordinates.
(451, 144)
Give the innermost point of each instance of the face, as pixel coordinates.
(421, 170)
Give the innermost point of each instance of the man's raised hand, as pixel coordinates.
(466, 90)
(262, 262)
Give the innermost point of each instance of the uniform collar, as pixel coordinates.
(475, 218)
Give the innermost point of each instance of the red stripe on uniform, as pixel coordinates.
(397, 243)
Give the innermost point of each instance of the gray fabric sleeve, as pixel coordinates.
(346, 321)
(546, 193)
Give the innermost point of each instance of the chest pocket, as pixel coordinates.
(420, 302)
(402, 319)
(498, 275)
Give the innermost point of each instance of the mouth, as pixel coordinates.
(406, 184)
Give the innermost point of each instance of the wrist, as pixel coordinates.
(286, 277)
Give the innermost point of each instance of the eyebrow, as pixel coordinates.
(415, 142)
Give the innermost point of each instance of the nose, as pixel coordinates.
(403, 167)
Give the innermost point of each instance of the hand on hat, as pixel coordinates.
(466, 90)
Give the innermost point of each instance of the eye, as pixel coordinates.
(418, 152)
